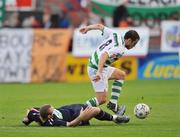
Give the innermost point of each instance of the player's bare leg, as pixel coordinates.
(101, 98)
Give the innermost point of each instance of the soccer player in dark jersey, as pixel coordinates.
(70, 115)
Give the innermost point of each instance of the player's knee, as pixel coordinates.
(121, 76)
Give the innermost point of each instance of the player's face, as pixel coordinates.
(50, 112)
(129, 43)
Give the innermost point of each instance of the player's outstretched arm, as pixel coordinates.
(85, 29)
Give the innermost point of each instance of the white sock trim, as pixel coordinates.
(116, 87)
(88, 103)
(97, 102)
(121, 81)
(115, 94)
(113, 101)
(114, 117)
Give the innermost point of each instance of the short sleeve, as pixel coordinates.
(106, 32)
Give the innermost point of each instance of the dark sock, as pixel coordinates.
(104, 116)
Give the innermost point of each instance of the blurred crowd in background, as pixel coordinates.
(68, 14)
(53, 14)
(77, 13)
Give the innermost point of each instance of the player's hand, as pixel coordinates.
(86, 114)
(82, 114)
(97, 77)
(84, 30)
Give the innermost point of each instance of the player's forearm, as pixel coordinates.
(95, 27)
(102, 60)
(85, 115)
(74, 123)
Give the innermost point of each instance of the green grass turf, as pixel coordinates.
(163, 96)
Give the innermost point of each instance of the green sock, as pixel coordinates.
(93, 102)
(116, 89)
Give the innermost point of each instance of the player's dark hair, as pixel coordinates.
(132, 34)
(44, 111)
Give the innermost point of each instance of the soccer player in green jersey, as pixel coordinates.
(99, 66)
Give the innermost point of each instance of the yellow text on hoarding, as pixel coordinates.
(165, 71)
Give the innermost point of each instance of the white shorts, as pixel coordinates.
(102, 84)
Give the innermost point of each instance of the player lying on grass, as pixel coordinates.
(71, 115)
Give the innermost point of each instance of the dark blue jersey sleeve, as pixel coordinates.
(56, 122)
(34, 115)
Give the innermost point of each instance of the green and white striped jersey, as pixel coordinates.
(113, 44)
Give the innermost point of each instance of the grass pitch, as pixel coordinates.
(162, 96)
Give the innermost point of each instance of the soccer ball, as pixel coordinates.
(141, 110)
